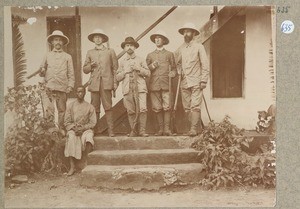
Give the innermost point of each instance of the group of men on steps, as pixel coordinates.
(80, 117)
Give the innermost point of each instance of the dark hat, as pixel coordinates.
(160, 33)
(98, 32)
(130, 40)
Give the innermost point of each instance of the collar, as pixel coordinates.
(130, 56)
(55, 50)
(187, 45)
(101, 47)
(159, 49)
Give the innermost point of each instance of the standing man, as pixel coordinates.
(57, 68)
(132, 72)
(193, 67)
(80, 120)
(102, 63)
(162, 65)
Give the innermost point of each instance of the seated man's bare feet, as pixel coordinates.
(71, 172)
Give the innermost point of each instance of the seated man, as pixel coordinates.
(80, 120)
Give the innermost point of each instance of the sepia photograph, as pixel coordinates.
(139, 106)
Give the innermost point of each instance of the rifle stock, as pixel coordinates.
(34, 73)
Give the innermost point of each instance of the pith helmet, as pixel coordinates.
(100, 32)
(60, 34)
(160, 33)
(189, 26)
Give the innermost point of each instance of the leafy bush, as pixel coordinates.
(30, 139)
(226, 164)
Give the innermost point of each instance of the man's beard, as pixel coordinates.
(129, 51)
(56, 45)
(188, 39)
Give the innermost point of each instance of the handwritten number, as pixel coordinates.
(284, 9)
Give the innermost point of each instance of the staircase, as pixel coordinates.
(137, 163)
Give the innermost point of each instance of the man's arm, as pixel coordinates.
(143, 69)
(70, 72)
(204, 64)
(150, 63)
(178, 59)
(120, 73)
(172, 63)
(92, 119)
(68, 122)
(87, 67)
(115, 66)
(43, 67)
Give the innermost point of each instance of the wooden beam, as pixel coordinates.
(218, 20)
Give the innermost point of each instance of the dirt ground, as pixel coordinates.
(62, 191)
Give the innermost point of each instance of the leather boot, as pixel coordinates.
(194, 122)
(131, 118)
(188, 116)
(96, 129)
(167, 117)
(143, 121)
(110, 123)
(160, 120)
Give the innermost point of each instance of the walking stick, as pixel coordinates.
(136, 100)
(206, 108)
(175, 103)
(172, 113)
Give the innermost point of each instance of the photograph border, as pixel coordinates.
(287, 86)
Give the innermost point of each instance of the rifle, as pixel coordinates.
(34, 73)
(136, 100)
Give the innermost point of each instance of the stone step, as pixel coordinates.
(143, 157)
(138, 177)
(139, 143)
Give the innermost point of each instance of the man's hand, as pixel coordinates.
(128, 70)
(78, 129)
(135, 68)
(115, 87)
(69, 89)
(93, 64)
(155, 64)
(42, 72)
(202, 85)
(172, 74)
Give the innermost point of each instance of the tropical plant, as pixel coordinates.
(19, 61)
(220, 151)
(29, 141)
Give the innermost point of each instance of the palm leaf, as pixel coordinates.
(19, 61)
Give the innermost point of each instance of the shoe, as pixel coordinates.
(143, 121)
(110, 123)
(160, 121)
(195, 116)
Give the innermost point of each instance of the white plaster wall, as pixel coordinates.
(131, 21)
(117, 22)
(257, 83)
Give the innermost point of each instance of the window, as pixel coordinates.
(227, 59)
